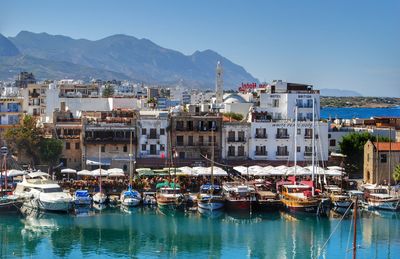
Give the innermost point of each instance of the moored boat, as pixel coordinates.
(210, 197)
(130, 198)
(82, 198)
(10, 204)
(338, 197)
(169, 196)
(379, 198)
(299, 198)
(239, 197)
(266, 198)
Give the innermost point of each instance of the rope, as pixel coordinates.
(337, 225)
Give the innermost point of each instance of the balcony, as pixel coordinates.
(282, 136)
(260, 153)
(180, 128)
(261, 136)
(207, 129)
(307, 154)
(34, 95)
(308, 136)
(232, 139)
(282, 154)
(179, 144)
(153, 136)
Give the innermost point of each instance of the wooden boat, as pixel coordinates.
(338, 197)
(239, 197)
(379, 198)
(299, 198)
(10, 204)
(169, 196)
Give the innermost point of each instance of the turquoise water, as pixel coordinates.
(148, 233)
(350, 113)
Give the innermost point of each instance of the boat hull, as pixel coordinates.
(268, 205)
(310, 207)
(211, 205)
(10, 206)
(99, 198)
(393, 205)
(239, 205)
(83, 202)
(57, 206)
(129, 202)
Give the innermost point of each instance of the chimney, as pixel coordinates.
(62, 106)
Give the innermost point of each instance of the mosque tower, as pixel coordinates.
(219, 88)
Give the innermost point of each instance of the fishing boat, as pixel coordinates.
(39, 192)
(100, 197)
(338, 197)
(149, 198)
(239, 197)
(299, 198)
(130, 197)
(169, 196)
(379, 198)
(82, 198)
(8, 203)
(210, 197)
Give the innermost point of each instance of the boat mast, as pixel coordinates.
(295, 141)
(130, 162)
(212, 157)
(100, 167)
(390, 154)
(355, 229)
(313, 144)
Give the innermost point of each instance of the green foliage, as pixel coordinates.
(396, 173)
(352, 145)
(25, 138)
(108, 91)
(50, 150)
(235, 116)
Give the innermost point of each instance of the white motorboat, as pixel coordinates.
(82, 198)
(130, 198)
(379, 197)
(100, 198)
(338, 197)
(210, 197)
(39, 192)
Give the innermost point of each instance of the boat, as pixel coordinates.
(210, 197)
(379, 198)
(149, 198)
(39, 192)
(169, 196)
(113, 200)
(100, 197)
(266, 198)
(299, 198)
(82, 198)
(239, 197)
(130, 197)
(338, 197)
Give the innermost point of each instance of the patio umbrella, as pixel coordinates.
(68, 171)
(115, 174)
(115, 170)
(85, 173)
(14, 173)
(97, 172)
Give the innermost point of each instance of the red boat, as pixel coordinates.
(239, 197)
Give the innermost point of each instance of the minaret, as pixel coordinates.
(219, 83)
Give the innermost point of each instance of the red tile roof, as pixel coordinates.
(386, 146)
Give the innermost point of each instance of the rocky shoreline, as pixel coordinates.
(359, 102)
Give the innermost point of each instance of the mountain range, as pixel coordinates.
(115, 57)
(338, 93)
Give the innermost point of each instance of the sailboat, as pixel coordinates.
(300, 197)
(8, 203)
(100, 197)
(130, 197)
(211, 196)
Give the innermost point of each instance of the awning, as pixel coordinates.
(94, 161)
(68, 171)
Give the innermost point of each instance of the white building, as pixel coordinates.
(272, 132)
(235, 137)
(152, 134)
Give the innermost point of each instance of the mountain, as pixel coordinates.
(128, 57)
(7, 48)
(338, 92)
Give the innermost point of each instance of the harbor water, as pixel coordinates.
(362, 113)
(148, 233)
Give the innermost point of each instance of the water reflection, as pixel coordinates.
(150, 232)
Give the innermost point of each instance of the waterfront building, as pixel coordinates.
(237, 103)
(24, 79)
(107, 134)
(194, 134)
(235, 139)
(34, 96)
(152, 134)
(11, 113)
(272, 128)
(380, 159)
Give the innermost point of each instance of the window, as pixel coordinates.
(103, 149)
(298, 131)
(329, 135)
(162, 147)
(153, 133)
(144, 131)
(308, 133)
(190, 140)
(298, 149)
(125, 168)
(153, 149)
(67, 145)
(162, 131)
(231, 136)
(144, 147)
(209, 140)
(282, 151)
(189, 125)
(182, 155)
(241, 136)
(231, 151)
(383, 158)
(275, 102)
(261, 151)
(332, 142)
(125, 148)
(179, 140)
(77, 145)
(241, 151)
(201, 140)
(179, 125)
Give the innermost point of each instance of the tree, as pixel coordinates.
(233, 115)
(25, 138)
(396, 173)
(50, 151)
(352, 145)
(108, 91)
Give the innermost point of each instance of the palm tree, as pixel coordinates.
(396, 173)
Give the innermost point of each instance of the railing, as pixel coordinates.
(282, 153)
(238, 155)
(261, 136)
(34, 95)
(307, 136)
(307, 153)
(260, 153)
(230, 139)
(153, 136)
(282, 136)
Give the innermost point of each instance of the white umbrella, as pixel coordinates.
(99, 171)
(85, 173)
(114, 174)
(241, 169)
(186, 170)
(335, 168)
(14, 173)
(114, 170)
(68, 171)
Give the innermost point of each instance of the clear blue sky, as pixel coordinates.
(332, 44)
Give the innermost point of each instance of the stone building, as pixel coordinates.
(235, 140)
(380, 159)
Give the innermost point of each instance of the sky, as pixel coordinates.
(351, 45)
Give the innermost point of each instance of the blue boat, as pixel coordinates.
(82, 198)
